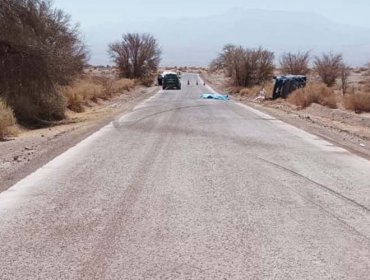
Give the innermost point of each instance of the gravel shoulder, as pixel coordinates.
(340, 127)
(29, 151)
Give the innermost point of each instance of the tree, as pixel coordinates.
(328, 67)
(345, 72)
(39, 50)
(295, 63)
(137, 56)
(246, 67)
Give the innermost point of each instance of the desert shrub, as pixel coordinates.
(137, 56)
(345, 73)
(251, 91)
(358, 102)
(39, 50)
(90, 89)
(7, 121)
(254, 91)
(328, 67)
(148, 80)
(246, 92)
(80, 93)
(312, 93)
(245, 67)
(295, 63)
(114, 87)
(123, 85)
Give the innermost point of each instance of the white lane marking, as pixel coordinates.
(25, 186)
(29, 184)
(304, 135)
(207, 86)
(144, 103)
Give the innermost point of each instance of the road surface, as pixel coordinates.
(184, 188)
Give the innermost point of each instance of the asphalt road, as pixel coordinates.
(184, 188)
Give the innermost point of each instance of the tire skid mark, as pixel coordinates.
(347, 199)
(119, 125)
(96, 267)
(343, 197)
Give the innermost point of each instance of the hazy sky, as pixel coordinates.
(104, 21)
(91, 13)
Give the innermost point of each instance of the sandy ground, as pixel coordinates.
(343, 128)
(33, 148)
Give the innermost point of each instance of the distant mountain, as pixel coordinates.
(196, 41)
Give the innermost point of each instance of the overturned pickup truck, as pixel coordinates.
(284, 85)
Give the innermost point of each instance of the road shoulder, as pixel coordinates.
(34, 148)
(342, 129)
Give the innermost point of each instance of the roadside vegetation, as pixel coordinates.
(328, 66)
(249, 71)
(82, 92)
(42, 63)
(313, 93)
(295, 63)
(245, 67)
(7, 121)
(137, 56)
(39, 50)
(358, 102)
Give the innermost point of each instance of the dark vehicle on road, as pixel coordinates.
(171, 81)
(284, 85)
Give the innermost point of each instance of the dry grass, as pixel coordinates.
(114, 87)
(247, 92)
(92, 89)
(313, 93)
(7, 121)
(80, 93)
(253, 91)
(358, 102)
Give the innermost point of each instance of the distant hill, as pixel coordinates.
(197, 41)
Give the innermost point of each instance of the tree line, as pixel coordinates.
(250, 67)
(41, 50)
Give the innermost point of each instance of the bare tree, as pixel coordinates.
(328, 67)
(345, 72)
(295, 63)
(39, 49)
(137, 56)
(245, 67)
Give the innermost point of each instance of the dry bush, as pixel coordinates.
(313, 93)
(253, 91)
(80, 93)
(345, 73)
(328, 67)
(246, 92)
(7, 121)
(114, 87)
(245, 67)
(123, 85)
(83, 91)
(39, 50)
(358, 102)
(137, 56)
(148, 80)
(295, 63)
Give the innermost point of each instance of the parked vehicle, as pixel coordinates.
(171, 81)
(284, 85)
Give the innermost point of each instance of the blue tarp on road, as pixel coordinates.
(215, 96)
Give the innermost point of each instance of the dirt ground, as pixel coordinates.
(341, 127)
(33, 148)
